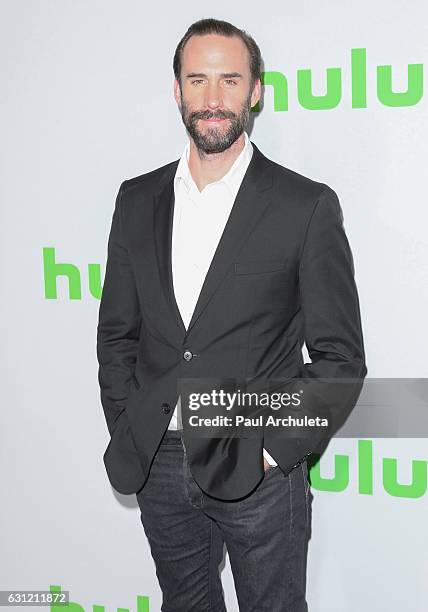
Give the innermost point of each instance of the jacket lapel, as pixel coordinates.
(163, 220)
(251, 201)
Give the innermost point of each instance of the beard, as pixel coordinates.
(215, 139)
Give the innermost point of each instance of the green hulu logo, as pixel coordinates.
(143, 604)
(333, 90)
(52, 270)
(340, 481)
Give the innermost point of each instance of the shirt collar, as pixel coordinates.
(232, 179)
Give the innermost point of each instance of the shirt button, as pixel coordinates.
(187, 355)
(166, 408)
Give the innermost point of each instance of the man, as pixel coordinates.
(220, 265)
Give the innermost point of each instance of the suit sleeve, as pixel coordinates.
(332, 382)
(328, 296)
(118, 322)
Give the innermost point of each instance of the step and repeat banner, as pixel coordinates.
(87, 102)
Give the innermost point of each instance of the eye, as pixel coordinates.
(231, 81)
(197, 81)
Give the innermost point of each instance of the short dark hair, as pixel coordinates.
(223, 28)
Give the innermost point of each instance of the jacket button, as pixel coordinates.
(187, 355)
(166, 408)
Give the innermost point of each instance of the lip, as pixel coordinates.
(213, 120)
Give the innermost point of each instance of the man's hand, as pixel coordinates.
(266, 464)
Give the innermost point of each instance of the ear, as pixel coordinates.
(177, 92)
(257, 92)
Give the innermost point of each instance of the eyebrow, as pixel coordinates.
(224, 75)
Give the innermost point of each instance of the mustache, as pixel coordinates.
(210, 115)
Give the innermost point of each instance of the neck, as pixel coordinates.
(206, 168)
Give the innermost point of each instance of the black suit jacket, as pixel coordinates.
(282, 274)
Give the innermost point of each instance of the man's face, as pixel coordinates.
(215, 96)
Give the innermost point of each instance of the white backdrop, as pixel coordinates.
(86, 103)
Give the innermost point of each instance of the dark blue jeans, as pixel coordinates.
(266, 536)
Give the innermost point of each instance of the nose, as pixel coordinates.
(213, 96)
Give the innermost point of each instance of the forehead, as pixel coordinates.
(215, 52)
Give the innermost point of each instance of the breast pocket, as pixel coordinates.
(259, 267)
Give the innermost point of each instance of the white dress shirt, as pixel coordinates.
(198, 223)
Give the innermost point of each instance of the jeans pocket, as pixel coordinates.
(271, 468)
(306, 485)
(304, 465)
